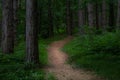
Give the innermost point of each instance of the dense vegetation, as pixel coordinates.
(99, 53)
(12, 67)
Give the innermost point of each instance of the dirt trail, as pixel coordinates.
(59, 67)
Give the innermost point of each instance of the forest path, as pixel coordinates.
(59, 67)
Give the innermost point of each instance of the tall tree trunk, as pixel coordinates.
(111, 15)
(118, 15)
(97, 15)
(15, 10)
(32, 54)
(0, 32)
(91, 16)
(50, 17)
(7, 27)
(104, 15)
(69, 21)
(81, 18)
(40, 10)
(100, 16)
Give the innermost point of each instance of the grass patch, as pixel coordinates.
(98, 53)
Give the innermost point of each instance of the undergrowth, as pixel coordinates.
(98, 53)
(13, 67)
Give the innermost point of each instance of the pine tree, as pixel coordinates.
(7, 27)
(32, 54)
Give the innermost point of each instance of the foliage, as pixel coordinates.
(99, 53)
(12, 67)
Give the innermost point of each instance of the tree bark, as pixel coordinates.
(7, 27)
(100, 16)
(111, 15)
(104, 15)
(32, 54)
(69, 21)
(118, 15)
(97, 15)
(81, 19)
(50, 17)
(15, 16)
(0, 32)
(91, 16)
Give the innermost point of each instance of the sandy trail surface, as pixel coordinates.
(58, 64)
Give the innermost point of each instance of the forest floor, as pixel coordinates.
(58, 64)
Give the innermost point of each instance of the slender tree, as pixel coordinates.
(0, 31)
(100, 15)
(111, 14)
(15, 17)
(104, 15)
(69, 21)
(50, 18)
(32, 54)
(40, 10)
(96, 15)
(118, 15)
(91, 16)
(7, 27)
(81, 18)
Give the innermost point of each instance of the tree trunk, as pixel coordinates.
(69, 17)
(81, 19)
(104, 15)
(118, 15)
(7, 27)
(0, 32)
(97, 15)
(100, 16)
(32, 54)
(111, 15)
(91, 16)
(15, 10)
(50, 17)
(40, 10)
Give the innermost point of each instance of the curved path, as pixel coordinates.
(59, 67)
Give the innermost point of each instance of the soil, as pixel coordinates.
(58, 64)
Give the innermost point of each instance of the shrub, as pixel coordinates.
(99, 53)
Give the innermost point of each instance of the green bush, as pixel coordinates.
(12, 67)
(107, 44)
(99, 53)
